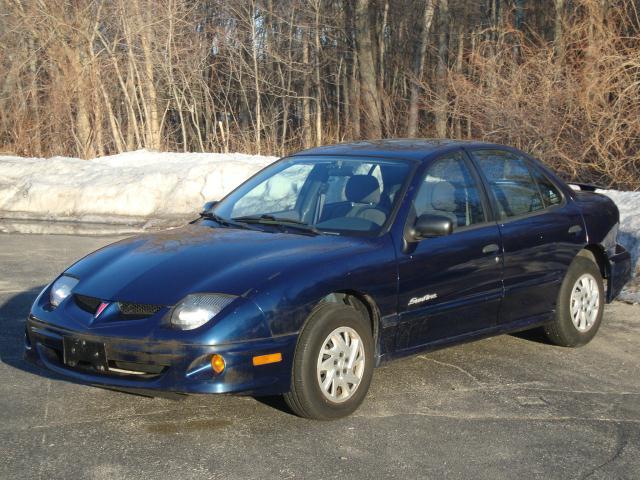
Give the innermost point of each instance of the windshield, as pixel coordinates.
(330, 194)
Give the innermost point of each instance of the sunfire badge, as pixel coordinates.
(426, 298)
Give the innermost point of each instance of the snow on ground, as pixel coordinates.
(629, 235)
(122, 188)
(150, 189)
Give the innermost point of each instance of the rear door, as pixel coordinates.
(541, 232)
(452, 285)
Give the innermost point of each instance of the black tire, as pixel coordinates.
(562, 330)
(306, 398)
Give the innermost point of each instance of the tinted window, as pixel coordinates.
(511, 182)
(449, 190)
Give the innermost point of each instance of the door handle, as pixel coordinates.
(574, 230)
(491, 248)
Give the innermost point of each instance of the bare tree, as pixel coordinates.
(418, 67)
(90, 77)
(368, 84)
(440, 108)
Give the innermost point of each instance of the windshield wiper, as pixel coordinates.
(222, 221)
(284, 222)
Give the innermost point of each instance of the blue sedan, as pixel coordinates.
(330, 262)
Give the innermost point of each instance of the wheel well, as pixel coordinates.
(598, 255)
(362, 303)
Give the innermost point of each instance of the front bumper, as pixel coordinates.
(619, 272)
(167, 365)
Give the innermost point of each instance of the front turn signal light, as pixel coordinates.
(217, 364)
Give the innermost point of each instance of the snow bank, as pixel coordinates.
(121, 188)
(146, 188)
(629, 234)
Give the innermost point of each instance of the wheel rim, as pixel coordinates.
(340, 364)
(585, 302)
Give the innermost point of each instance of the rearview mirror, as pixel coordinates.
(428, 226)
(208, 206)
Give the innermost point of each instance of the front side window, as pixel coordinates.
(339, 194)
(511, 182)
(449, 190)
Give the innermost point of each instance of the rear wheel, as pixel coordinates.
(580, 305)
(333, 364)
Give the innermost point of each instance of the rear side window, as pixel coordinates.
(550, 193)
(513, 184)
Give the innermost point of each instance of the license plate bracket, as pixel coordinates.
(79, 352)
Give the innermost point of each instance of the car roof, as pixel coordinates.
(404, 148)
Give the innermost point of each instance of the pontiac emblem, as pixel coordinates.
(100, 309)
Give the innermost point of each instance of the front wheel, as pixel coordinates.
(333, 364)
(580, 305)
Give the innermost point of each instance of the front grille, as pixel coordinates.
(138, 310)
(127, 310)
(88, 304)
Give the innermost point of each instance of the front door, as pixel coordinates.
(451, 285)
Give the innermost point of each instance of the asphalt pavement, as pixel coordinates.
(506, 407)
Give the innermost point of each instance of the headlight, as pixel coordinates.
(196, 310)
(61, 289)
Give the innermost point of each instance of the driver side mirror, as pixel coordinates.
(208, 206)
(428, 226)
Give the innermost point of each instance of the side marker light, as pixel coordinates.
(266, 359)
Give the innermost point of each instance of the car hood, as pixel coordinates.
(162, 268)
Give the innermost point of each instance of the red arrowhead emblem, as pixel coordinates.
(100, 309)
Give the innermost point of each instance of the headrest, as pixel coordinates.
(443, 197)
(362, 189)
